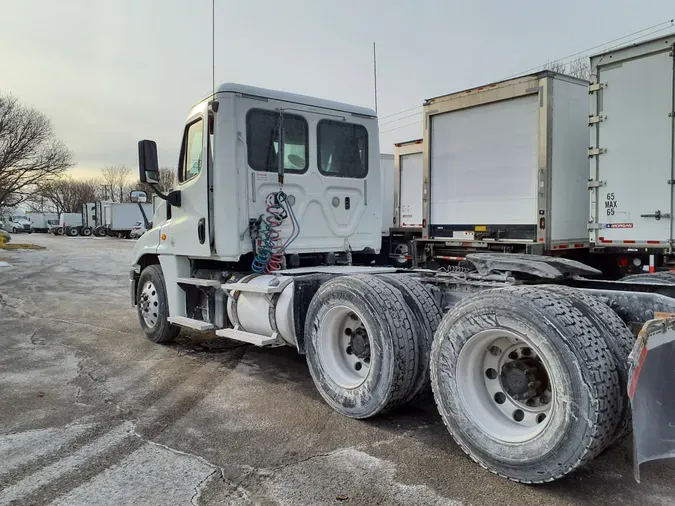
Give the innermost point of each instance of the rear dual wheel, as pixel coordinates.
(360, 345)
(525, 383)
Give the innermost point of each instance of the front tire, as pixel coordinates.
(360, 346)
(153, 307)
(523, 381)
(14, 230)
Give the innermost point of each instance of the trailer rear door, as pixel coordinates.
(634, 124)
(483, 164)
(411, 190)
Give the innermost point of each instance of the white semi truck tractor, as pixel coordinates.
(271, 237)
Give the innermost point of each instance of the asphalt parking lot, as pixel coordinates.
(92, 413)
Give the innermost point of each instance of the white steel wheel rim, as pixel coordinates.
(342, 357)
(489, 400)
(149, 304)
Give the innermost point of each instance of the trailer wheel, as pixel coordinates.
(100, 232)
(523, 381)
(427, 316)
(153, 308)
(73, 232)
(86, 231)
(359, 345)
(619, 340)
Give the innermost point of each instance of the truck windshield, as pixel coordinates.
(343, 149)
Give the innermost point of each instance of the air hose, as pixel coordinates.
(270, 253)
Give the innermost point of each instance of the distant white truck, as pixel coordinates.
(120, 218)
(43, 222)
(16, 223)
(69, 224)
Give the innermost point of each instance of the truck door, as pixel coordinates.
(635, 150)
(330, 174)
(189, 231)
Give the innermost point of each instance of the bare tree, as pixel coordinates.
(68, 195)
(167, 180)
(115, 178)
(579, 68)
(29, 152)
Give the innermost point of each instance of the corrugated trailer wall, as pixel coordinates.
(632, 147)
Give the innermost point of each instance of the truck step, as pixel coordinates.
(249, 337)
(184, 321)
(248, 287)
(213, 283)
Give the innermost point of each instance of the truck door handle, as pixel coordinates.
(657, 215)
(201, 230)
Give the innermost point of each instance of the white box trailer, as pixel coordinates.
(506, 165)
(632, 146)
(409, 184)
(120, 218)
(43, 222)
(387, 176)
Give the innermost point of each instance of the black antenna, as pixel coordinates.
(375, 75)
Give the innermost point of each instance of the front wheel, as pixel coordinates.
(153, 307)
(525, 383)
(14, 230)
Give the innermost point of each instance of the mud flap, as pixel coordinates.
(651, 385)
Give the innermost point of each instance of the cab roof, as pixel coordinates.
(293, 98)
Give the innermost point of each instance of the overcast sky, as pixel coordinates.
(110, 72)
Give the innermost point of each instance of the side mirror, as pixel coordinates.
(138, 196)
(148, 167)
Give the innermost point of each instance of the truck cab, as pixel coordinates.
(231, 161)
(16, 223)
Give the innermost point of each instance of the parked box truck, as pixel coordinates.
(387, 176)
(408, 193)
(631, 153)
(506, 165)
(120, 218)
(42, 222)
(69, 224)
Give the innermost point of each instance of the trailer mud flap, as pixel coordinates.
(650, 389)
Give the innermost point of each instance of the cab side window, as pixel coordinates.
(192, 152)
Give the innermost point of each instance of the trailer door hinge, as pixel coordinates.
(596, 151)
(592, 120)
(671, 114)
(596, 184)
(596, 87)
(595, 226)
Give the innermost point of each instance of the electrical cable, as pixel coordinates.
(270, 254)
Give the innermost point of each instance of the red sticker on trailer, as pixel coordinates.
(618, 225)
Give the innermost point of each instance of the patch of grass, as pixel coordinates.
(21, 246)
